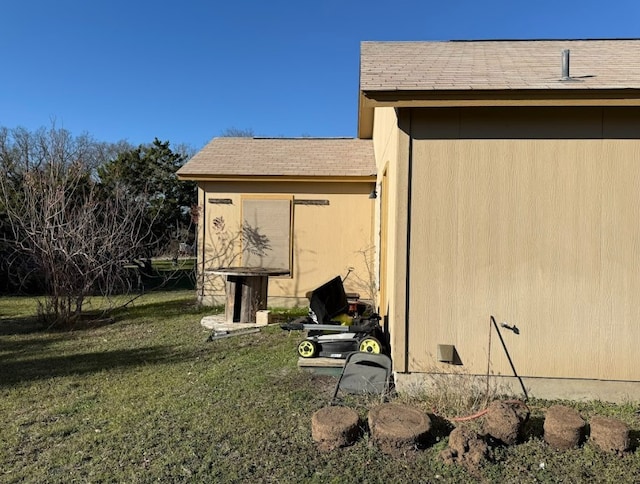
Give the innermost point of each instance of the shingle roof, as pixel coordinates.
(498, 65)
(296, 157)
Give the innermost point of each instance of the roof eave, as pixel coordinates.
(369, 100)
(277, 178)
(365, 117)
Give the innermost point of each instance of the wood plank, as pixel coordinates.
(320, 362)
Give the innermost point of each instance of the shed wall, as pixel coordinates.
(327, 239)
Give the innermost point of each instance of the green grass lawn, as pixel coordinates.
(146, 398)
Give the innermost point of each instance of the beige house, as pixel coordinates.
(509, 187)
(508, 182)
(301, 205)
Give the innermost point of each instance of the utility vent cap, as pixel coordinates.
(566, 54)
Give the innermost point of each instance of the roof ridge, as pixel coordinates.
(295, 138)
(554, 39)
(541, 39)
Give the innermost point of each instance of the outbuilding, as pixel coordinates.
(300, 205)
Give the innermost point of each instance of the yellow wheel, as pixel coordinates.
(370, 345)
(307, 349)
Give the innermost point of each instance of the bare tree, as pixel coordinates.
(76, 236)
(234, 132)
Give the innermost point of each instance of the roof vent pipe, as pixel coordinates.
(565, 65)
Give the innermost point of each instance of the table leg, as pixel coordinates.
(245, 295)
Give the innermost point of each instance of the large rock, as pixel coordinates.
(564, 428)
(504, 421)
(333, 427)
(610, 434)
(398, 429)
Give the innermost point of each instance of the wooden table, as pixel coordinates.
(246, 291)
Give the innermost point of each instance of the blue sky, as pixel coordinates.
(184, 71)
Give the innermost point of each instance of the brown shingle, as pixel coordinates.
(320, 157)
(491, 65)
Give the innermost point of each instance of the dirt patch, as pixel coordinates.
(325, 385)
(466, 448)
(398, 429)
(504, 421)
(334, 427)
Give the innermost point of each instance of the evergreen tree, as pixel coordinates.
(148, 173)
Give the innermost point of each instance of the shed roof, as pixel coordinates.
(282, 157)
(507, 64)
(496, 73)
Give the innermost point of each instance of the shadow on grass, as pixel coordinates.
(161, 310)
(534, 428)
(440, 428)
(27, 345)
(18, 371)
(139, 309)
(634, 440)
(21, 325)
(35, 324)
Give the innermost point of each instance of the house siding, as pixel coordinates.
(391, 221)
(531, 216)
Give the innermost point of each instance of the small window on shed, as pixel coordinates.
(266, 232)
